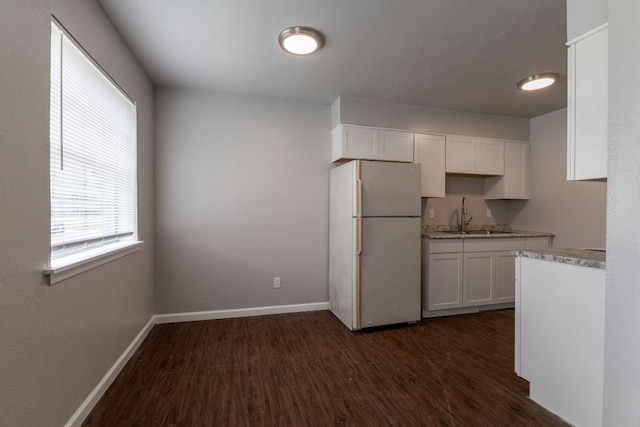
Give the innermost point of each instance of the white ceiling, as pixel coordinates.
(462, 55)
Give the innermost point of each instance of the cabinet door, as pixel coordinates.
(489, 157)
(516, 170)
(444, 283)
(461, 155)
(356, 143)
(396, 146)
(479, 278)
(587, 108)
(429, 151)
(514, 184)
(505, 283)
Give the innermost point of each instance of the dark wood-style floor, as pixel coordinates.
(307, 369)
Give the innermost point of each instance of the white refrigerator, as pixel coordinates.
(374, 243)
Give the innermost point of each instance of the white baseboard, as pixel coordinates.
(90, 402)
(239, 312)
(426, 314)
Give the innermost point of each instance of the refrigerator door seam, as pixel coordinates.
(358, 308)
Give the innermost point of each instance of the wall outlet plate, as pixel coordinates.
(276, 282)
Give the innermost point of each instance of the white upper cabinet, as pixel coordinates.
(474, 156)
(461, 154)
(587, 106)
(396, 146)
(351, 142)
(514, 184)
(429, 151)
(368, 143)
(489, 157)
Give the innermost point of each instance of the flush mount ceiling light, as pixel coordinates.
(300, 40)
(537, 81)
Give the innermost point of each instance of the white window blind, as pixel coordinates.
(93, 154)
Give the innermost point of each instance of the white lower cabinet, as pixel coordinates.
(505, 287)
(479, 279)
(472, 272)
(445, 277)
(442, 269)
(490, 270)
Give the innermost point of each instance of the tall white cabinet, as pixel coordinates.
(587, 124)
(514, 184)
(429, 151)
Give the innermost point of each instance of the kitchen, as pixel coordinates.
(182, 119)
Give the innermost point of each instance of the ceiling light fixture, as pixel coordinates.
(300, 40)
(538, 81)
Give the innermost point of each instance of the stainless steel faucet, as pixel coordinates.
(463, 214)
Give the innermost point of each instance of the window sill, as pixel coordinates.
(64, 268)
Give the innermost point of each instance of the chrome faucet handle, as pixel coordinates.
(468, 221)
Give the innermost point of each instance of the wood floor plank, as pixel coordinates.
(307, 369)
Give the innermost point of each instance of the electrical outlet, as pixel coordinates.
(488, 213)
(432, 213)
(276, 282)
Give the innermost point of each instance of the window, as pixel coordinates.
(93, 158)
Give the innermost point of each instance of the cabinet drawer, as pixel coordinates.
(441, 246)
(535, 243)
(493, 245)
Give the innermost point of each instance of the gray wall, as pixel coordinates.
(574, 210)
(622, 312)
(584, 15)
(242, 197)
(367, 112)
(57, 342)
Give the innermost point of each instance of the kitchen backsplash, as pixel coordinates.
(446, 211)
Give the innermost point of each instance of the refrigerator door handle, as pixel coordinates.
(359, 236)
(358, 306)
(359, 211)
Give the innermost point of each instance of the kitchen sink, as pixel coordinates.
(481, 232)
(487, 232)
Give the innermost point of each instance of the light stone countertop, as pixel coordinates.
(487, 231)
(581, 257)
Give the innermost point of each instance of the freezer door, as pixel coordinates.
(389, 290)
(390, 189)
